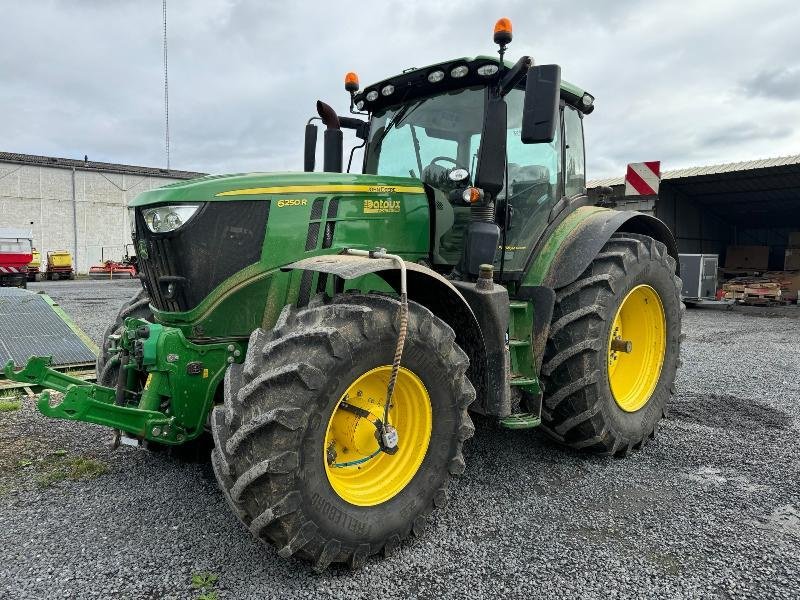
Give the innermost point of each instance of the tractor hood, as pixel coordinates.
(243, 229)
(253, 186)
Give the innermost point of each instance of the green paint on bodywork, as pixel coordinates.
(381, 215)
(174, 371)
(209, 188)
(544, 260)
(171, 408)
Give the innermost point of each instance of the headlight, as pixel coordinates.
(459, 71)
(168, 218)
(487, 70)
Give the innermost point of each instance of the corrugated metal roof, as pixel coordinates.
(91, 165)
(748, 165)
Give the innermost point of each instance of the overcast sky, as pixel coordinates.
(687, 82)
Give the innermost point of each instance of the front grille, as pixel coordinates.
(219, 240)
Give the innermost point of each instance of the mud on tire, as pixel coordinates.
(269, 435)
(579, 409)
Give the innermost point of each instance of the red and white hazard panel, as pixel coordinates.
(642, 178)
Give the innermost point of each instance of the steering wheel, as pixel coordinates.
(448, 170)
(448, 159)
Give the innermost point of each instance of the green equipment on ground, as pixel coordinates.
(334, 331)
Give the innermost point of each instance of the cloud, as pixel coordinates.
(670, 78)
(782, 83)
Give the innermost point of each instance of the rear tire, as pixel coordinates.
(580, 409)
(270, 455)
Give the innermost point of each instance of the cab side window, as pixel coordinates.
(575, 169)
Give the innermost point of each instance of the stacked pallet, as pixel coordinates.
(775, 287)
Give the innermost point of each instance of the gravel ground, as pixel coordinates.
(710, 509)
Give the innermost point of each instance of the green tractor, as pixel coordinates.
(333, 331)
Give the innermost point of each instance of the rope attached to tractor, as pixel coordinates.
(388, 433)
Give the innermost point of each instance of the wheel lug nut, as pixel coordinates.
(621, 345)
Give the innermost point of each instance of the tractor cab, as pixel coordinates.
(497, 145)
(429, 125)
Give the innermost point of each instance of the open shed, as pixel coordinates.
(752, 203)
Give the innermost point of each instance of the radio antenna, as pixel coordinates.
(166, 84)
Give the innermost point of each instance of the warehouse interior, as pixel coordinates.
(712, 208)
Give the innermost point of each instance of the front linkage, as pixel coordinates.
(171, 407)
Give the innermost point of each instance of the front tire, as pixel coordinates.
(137, 307)
(601, 393)
(276, 443)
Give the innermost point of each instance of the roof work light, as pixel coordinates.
(351, 82)
(502, 32)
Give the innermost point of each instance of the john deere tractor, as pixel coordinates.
(333, 331)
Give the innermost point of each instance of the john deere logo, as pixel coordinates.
(381, 206)
(382, 189)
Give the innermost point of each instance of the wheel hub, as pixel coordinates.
(636, 348)
(357, 468)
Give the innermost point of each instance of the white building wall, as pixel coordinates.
(43, 195)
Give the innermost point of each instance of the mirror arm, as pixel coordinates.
(361, 127)
(515, 74)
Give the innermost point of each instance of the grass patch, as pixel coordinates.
(204, 581)
(73, 468)
(8, 405)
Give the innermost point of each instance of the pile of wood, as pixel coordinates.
(774, 287)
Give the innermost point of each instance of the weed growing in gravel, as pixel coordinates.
(205, 581)
(74, 468)
(9, 405)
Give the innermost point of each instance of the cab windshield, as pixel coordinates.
(427, 138)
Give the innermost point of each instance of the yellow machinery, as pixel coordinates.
(59, 265)
(34, 265)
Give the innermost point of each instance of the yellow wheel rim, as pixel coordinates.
(350, 437)
(636, 346)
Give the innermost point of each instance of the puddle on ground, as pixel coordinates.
(723, 411)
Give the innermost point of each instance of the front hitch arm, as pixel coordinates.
(83, 401)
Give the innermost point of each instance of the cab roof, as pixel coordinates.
(414, 83)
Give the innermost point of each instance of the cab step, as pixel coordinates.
(521, 421)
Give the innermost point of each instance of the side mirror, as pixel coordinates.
(490, 172)
(540, 111)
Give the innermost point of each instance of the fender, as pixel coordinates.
(571, 248)
(425, 287)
